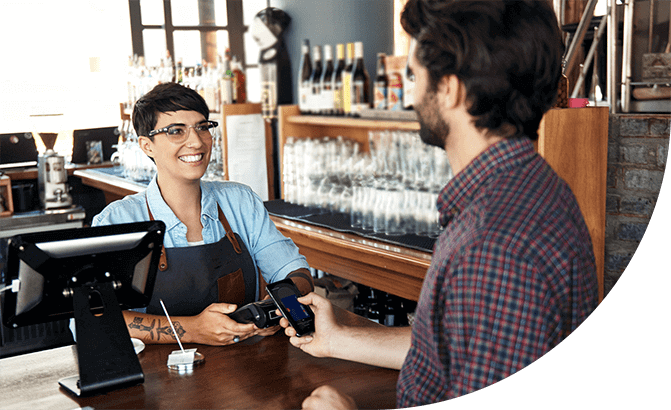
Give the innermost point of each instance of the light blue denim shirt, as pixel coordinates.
(273, 253)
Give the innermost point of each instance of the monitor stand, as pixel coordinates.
(105, 353)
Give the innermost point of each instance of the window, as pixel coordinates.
(193, 31)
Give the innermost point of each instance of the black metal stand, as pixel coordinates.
(105, 353)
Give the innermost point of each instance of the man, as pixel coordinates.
(513, 272)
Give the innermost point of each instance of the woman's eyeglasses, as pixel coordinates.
(178, 132)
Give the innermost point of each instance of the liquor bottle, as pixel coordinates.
(226, 79)
(337, 80)
(361, 301)
(360, 82)
(315, 80)
(347, 80)
(210, 88)
(305, 72)
(395, 313)
(269, 90)
(395, 92)
(180, 72)
(562, 91)
(326, 82)
(170, 65)
(381, 84)
(375, 306)
(239, 82)
(198, 80)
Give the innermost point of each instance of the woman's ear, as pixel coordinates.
(146, 145)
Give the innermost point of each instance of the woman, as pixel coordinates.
(218, 234)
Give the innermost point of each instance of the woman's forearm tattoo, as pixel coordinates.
(157, 328)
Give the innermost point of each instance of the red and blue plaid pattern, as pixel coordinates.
(512, 275)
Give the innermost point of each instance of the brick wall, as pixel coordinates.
(637, 150)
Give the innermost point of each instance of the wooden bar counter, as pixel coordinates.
(258, 373)
(391, 268)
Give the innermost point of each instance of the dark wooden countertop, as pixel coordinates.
(258, 373)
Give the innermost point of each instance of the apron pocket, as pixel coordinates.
(232, 288)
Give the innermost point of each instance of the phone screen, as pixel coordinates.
(285, 294)
(295, 309)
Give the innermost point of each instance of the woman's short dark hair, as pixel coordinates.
(508, 54)
(163, 98)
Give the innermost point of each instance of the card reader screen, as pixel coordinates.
(294, 307)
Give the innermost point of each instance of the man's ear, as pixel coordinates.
(146, 145)
(452, 90)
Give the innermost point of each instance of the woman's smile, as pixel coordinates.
(191, 158)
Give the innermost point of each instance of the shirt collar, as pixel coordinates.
(208, 201)
(498, 157)
(161, 211)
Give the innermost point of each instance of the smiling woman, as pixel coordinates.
(219, 239)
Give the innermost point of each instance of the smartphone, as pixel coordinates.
(285, 295)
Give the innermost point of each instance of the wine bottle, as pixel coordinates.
(305, 72)
(180, 72)
(360, 82)
(239, 82)
(326, 82)
(347, 80)
(226, 79)
(381, 84)
(315, 80)
(337, 80)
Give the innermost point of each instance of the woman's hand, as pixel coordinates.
(213, 326)
(269, 331)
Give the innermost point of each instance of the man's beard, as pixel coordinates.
(433, 129)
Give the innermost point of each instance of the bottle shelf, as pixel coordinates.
(349, 122)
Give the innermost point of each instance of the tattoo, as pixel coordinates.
(167, 331)
(160, 330)
(137, 324)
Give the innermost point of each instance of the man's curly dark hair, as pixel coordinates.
(508, 54)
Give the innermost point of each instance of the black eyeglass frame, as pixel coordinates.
(211, 124)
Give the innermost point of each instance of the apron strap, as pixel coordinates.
(229, 232)
(163, 259)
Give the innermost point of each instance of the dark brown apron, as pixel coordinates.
(193, 277)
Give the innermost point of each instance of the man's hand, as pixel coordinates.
(319, 343)
(327, 397)
(344, 335)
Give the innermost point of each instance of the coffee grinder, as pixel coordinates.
(52, 177)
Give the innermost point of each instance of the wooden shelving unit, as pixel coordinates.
(573, 141)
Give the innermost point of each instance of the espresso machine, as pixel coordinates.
(52, 177)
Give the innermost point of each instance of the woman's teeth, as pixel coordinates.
(191, 158)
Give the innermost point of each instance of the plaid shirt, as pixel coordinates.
(512, 275)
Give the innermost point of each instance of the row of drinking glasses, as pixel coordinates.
(391, 189)
(136, 164)
(215, 169)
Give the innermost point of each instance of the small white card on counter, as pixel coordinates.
(177, 357)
